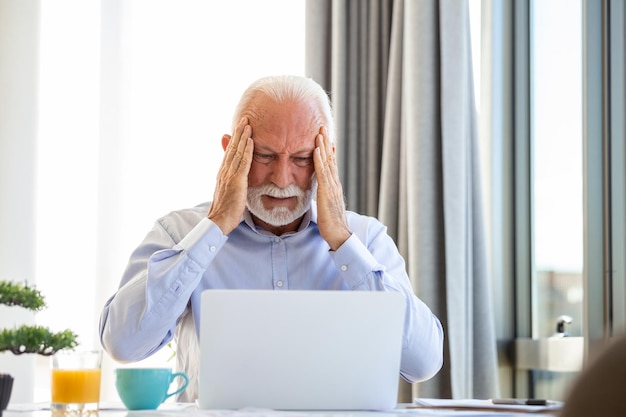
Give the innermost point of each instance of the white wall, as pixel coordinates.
(19, 44)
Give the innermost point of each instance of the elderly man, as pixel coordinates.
(277, 222)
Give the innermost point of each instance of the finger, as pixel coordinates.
(318, 158)
(321, 143)
(246, 160)
(235, 139)
(240, 132)
(329, 147)
(242, 155)
(328, 156)
(323, 173)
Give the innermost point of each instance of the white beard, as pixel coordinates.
(279, 216)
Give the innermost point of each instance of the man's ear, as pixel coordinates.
(225, 139)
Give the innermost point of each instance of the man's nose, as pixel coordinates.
(282, 172)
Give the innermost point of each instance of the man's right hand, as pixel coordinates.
(231, 190)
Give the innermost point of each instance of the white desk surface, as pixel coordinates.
(190, 410)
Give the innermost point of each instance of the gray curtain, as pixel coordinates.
(400, 77)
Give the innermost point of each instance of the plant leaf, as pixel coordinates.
(36, 339)
(13, 294)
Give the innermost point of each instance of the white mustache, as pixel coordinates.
(277, 192)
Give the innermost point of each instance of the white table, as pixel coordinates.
(190, 410)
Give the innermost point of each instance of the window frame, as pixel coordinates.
(506, 122)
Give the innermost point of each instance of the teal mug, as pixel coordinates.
(146, 388)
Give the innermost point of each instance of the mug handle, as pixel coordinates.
(181, 389)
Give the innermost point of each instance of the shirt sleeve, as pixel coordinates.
(141, 317)
(369, 260)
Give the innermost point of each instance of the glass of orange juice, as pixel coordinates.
(75, 385)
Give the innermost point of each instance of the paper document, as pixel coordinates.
(518, 406)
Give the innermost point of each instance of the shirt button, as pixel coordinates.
(279, 284)
(212, 248)
(276, 239)
(344, 267)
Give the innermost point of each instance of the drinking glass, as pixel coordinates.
(75, 387)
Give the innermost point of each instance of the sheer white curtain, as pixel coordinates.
(134, 98)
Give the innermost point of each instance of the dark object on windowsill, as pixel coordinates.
(6, 384)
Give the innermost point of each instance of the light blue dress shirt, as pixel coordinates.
(186, 253)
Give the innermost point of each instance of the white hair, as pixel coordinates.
(288, 88)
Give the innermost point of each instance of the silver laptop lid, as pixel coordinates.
(300, 350)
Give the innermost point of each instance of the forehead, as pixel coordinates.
(283, 126)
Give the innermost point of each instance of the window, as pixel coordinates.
(134, 100)
(554, 119)
(557, 177)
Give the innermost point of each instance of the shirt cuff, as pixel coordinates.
(355, 263)
(203, 242)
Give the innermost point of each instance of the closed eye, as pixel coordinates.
(302, 161)
(263, 158)
(267, 158)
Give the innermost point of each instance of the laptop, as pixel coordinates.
(300, 350)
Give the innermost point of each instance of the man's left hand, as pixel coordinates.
(331, 216)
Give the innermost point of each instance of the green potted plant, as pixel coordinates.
(27, 338)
